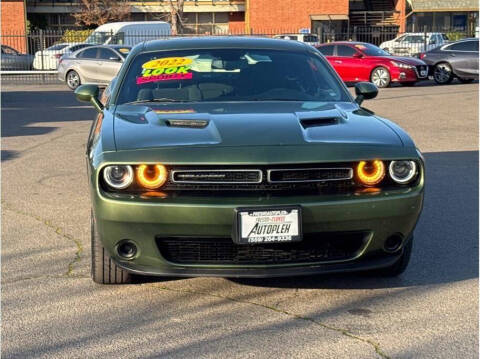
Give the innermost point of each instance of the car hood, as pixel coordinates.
(244, 124)
(407, 60)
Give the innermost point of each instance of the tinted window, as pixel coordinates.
(326, 50)
(219, 75)
(289, 37)
(57, 47)
(310, 38)
(9, 50)
(463, 46)
(371, 50)
(78, 47)
(343, 50)
(88, 53)
(414, 39)
(445, 37)
(107, 54)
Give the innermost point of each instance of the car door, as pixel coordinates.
(463, 56)
(110, 62)
(86, 64)
(348, 63)
(11, 59)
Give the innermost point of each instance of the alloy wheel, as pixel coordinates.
(442, 73)
(381, 77)
(73, 80)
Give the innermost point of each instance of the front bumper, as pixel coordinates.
(406, 75)
(141, 220)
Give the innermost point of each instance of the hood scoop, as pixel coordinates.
(317, 122)
(186, 123)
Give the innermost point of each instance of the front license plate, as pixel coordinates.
(269, 225)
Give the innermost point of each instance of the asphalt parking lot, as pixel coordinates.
(52, 309)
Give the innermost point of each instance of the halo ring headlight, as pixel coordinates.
(151, 176)
(402, 171)
(118, 176)
(370, 173)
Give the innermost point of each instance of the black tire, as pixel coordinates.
(72, 78)
(380, 76)
(400, 265)
(104, 270)
(442, 73)
(465, 81)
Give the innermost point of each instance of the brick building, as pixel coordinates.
(13, 18)
(234, 16)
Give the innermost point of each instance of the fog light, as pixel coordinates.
(393, 243)
(402, 171)
(127, 249)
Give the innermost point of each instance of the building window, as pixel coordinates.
(205, 23)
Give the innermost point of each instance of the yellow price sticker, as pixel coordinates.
(167, 62)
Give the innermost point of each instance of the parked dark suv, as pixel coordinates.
(458, 59)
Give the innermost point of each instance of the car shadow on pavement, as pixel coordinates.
(446, 237)
(23, 110)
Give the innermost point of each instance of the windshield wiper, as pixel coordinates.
(164, 99)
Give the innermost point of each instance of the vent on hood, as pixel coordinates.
(316, 122)
(187, 123)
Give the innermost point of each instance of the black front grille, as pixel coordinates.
(313, 179)
(421, 68)
(216, 176)
(317, 247)
(309, 175)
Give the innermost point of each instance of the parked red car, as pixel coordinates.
(360, 61)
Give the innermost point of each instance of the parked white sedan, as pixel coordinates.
(49, 58)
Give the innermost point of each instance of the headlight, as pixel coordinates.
(401, 65)
(151, 176)
(402, 171)
(118, 176)
(370, 173)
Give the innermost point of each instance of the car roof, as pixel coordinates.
(118, 25)
(346, 43)
(220, 42)
(422, 33)
(295, 34)
(111, 46)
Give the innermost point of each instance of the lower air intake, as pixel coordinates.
(316, 247)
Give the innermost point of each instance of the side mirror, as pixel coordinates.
(89, 93)
(365, 91)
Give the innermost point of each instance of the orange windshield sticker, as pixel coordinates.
(170, 68)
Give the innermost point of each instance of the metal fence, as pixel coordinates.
(34, 57)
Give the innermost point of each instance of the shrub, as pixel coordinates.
(456, 35)
(75, 35)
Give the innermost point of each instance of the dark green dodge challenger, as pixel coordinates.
(245, 157)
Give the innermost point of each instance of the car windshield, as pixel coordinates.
(230, 75)
(98, 38)
(371, 50)
(57, 47)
